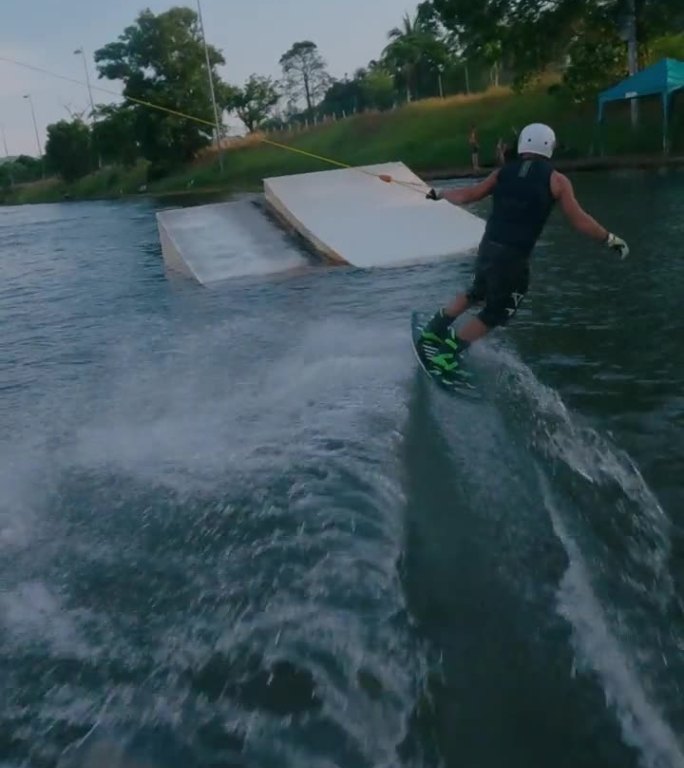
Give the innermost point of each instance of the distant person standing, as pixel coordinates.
(501, 148)
(474, 148)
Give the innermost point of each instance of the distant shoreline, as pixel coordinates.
(587, 164)
(614, 163)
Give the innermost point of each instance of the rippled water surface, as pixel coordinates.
(239, 528)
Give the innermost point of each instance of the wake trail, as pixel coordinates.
(617, 592)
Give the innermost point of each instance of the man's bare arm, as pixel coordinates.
(471, 194)
(562, 190)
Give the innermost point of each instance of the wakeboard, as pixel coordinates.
(458, 380)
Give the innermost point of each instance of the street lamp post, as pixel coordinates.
(211, 86)
(35, 128)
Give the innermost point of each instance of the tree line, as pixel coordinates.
(444, 47)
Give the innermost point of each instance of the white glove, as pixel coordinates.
(616, 243)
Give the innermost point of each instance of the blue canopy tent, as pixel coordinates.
(660, 79)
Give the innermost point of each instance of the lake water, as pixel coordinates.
(238, 527)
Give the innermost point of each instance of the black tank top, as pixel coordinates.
(522, 203)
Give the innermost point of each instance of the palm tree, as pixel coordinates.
(400, 53)
(493, 52)
(405, 31)
(415, 42)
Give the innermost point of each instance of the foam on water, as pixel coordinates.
(599, 651)
(33, 614)
(229, 537)
(613, 638)
(560, 436)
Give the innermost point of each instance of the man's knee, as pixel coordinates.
(492, 318)
(474, 296)
(500, 311)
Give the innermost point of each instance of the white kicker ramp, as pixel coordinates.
(350, 216)
(216, 242)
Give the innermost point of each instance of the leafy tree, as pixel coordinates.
(114, 134)
(597, 52)
(161, 60)
(668, 46)
(68, 149)
(656, 18)
(305, 72)
(6, 175)
(371, 88)
(597, 60)
(525, 35)
(532, 34)
(274, 123)
(427, 19)
(26, 168)
(377, 86)
(472, 25)
(254, 103)
(344, 96)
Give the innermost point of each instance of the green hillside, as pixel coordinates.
(430, 136)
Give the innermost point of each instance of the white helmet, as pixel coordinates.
(537, 139)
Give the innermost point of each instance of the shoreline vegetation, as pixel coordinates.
(450, 89)
(430, 136)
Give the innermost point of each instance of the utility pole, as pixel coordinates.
(81, 52)
(211, 87)
(4, 141)
(35, 128)
(632, 56)
(467, 78)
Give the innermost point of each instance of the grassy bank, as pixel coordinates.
(429, 136)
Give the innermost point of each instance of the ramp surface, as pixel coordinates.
(220, 241)
(353, 217)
